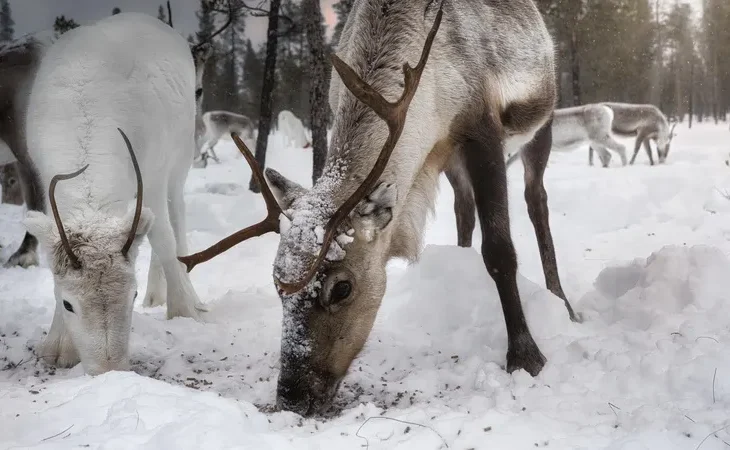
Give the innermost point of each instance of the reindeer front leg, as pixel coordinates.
(482, 149)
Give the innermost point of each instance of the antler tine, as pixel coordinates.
(140, 190)
(59, 224)
(394, 114)
(269, 224)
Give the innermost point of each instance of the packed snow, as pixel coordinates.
(643, 256)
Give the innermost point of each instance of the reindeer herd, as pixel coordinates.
(104, 123)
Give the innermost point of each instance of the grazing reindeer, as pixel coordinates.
(218, 123)
(129, 71)
(19, 60)
(12, 192)
(647, 123)
(293, 129)
(488, 88)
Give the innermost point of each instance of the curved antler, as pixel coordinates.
(269, 224)
(394, 114)
(138, 210)
(61, 232)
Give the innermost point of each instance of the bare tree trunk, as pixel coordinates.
(267, 89)
(656, 91)
(575, 69)
(317, 85)
(691, 106)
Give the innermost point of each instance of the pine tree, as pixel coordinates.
(62, 25)
(161, 14)
(206, 27)
(342, 9)
(6, 21)
(253, 72)
(230, 64)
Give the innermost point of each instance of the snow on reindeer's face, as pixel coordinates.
(94, 290)
(326, 324)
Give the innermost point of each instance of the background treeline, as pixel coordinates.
(643, 51)
(664, 52)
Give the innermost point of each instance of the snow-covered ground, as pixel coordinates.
(643, 255)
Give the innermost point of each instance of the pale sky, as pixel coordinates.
(36, 15)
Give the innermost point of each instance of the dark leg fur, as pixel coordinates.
(482, 147)
(535, 157)
(464, 207)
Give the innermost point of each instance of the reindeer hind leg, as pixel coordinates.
(535, 156)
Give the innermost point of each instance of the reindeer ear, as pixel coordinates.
(40, 226)
(375, 211)
(285, 190)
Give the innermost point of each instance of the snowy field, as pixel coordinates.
(643, 254)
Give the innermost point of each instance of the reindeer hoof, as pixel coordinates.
(523, 353)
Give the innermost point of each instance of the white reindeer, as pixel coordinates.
(579, 126)
(646, 123)
(293, 128)
(483, 86)
(128, 73)
(218, 123)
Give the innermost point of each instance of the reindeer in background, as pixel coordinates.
(216, 124)
(488, 89)
(19, 60)
(646, 123)
(10, 182)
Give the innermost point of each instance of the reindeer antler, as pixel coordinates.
(140, 190)
(59, 224)
(394, 114)
(269, 224)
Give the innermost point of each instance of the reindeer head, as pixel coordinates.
(664, 142)
(92, 259)
(330, 266)
(12, 193)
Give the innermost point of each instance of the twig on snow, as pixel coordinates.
(57, 434)
(405, 422)
(714, 376)
(708, 436)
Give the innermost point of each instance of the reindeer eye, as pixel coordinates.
(198, 93)
(340, 291)
(68, 306)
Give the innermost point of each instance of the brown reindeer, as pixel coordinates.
(480, 87)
